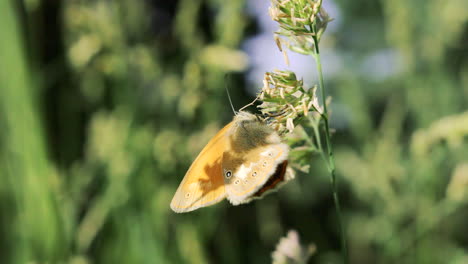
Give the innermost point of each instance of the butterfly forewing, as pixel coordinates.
(203, 183)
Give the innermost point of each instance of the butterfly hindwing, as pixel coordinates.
(253, 153)
(248, 177)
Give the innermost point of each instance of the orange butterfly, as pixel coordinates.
(241, 162)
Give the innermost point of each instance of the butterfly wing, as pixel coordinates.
(203, 184)
(252, 175)
(281, 175)
(253, 155)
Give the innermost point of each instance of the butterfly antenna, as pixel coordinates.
(247, 105)
(227, 91)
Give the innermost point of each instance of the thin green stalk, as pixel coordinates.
(319, 143)
(331, 159)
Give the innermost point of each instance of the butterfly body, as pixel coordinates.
(241, 162)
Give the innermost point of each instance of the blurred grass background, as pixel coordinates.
(104, 105)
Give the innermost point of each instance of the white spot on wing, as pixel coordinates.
(243, 171)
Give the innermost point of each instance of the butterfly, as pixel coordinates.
(243, 161)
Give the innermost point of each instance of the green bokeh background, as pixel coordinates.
(104, 104)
